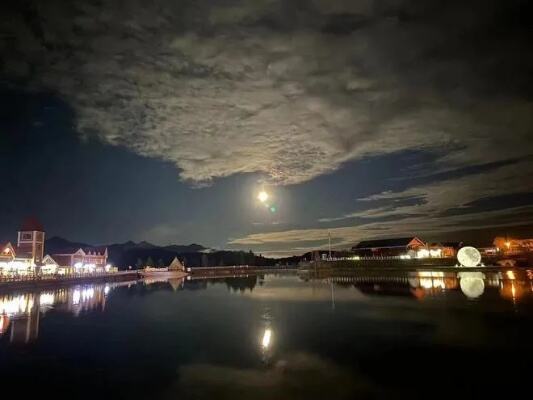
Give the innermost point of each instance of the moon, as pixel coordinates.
(262, 196)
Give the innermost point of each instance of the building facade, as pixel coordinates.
(30, 241)
(389, 247)
(88, 259)
(28, 256)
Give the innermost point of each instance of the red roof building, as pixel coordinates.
(30, 243)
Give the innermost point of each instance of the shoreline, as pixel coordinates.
(54, 282)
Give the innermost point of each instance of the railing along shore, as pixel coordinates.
(36, 278)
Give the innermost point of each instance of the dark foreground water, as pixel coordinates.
(394, 335)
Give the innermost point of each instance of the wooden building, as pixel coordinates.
(30, 242)
(389, 247)
(88, 259)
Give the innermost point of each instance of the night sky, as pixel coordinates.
(161, 120)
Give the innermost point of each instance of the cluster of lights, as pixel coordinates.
(83, 295)
(432, 253)
(46, 299)
(431, 280)
(16, 305)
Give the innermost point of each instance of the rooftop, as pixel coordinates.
(32, 224)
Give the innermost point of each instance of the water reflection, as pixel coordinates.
(510, 284)
(20, 313)
(266, 337)
(472, 284)
(272, 337)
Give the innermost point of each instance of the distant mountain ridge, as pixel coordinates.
(57, 243)
(135, 254)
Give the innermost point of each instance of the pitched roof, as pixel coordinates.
(47, 259)
(31, 224)
(396, 242)
(11, 252)
(176, 265)
(452, 244)
(99, 250)
(67, 251)
(87, 250)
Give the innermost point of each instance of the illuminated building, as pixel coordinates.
(388, 247)
(444, 249)
(49, 266)
(14, 263)
(28, 254)
(30, 241)
(89, 259)
(513, 246)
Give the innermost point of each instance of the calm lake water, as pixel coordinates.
(394, 335)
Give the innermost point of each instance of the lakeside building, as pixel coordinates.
(513, 246)
(24, 258)
(444, 249)
(389, 247)
(88, 259)
(28, 256)
(406, 247)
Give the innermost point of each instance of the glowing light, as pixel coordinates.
(266, 338)
(469, 256)
(16, 305)
(87, 294)
(76, 297)
(273, 209)
(508, 245)
(106, 290)
(46, 299)
(437, 253)
(262, 196)
(422, 253)
(510, 274)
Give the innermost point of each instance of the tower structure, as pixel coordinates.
(31, 240)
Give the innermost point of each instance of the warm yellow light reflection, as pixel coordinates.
(262, 196)
(266, 338)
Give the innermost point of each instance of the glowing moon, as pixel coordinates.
(262, 196)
